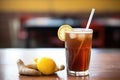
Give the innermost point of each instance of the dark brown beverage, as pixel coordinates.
(78, 50)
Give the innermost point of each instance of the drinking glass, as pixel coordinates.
(78, 44)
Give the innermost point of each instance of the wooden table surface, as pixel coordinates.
(105, 63)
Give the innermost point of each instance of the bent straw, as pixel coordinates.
(87, 27)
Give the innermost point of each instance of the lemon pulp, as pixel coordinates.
(61, 31)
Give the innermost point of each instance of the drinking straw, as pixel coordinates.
(87, 27)
(90, 18)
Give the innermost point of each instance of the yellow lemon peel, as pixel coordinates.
(46, 65)
(61, 31)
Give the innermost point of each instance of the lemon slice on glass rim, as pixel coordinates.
(61, 31)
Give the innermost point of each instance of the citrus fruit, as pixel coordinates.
(46, 65)
(61, 31)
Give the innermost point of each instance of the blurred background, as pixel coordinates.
(34, 23)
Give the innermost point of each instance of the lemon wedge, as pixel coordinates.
(61, 31)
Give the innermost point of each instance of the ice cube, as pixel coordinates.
(88, 36)
(81, 36)
(72, 36)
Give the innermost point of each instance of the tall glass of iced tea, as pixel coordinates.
(78, 44)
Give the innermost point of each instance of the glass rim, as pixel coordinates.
(80, 30)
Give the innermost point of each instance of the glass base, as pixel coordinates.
(78, 73)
